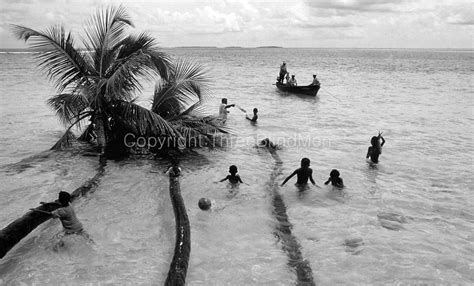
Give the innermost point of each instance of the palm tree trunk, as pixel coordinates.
(179, 264)
(20, 228)
(99, 122)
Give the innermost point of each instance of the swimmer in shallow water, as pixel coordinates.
(233, 177)
(303, 174)
(334, 179)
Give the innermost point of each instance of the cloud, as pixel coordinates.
(357, 5)
(460, 15)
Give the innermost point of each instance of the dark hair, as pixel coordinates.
(374, 140)
(305, 162)
(64, 198)
(224, 100)
(255, 110)
(233, 169)
(334, 173)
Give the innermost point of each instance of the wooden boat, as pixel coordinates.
(307, 89)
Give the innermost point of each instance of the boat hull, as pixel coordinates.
(308, 89)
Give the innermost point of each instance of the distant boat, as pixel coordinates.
(307, 89)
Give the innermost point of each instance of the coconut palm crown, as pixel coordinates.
(100, 79)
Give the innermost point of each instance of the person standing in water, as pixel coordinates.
(223, 109)
(254, 117)
(303, 174)
(375, 150)
(65, 213)
(233, 177)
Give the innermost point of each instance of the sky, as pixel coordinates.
(246, 23)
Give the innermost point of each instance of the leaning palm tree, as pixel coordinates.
(99, 80)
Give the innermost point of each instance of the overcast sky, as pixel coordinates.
(289, 23)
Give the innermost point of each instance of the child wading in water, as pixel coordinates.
(375, 150)
(233, 177)
(67, 216)
(303, 174)
(255, 116)
(334, 179)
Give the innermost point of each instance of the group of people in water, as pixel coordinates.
(71, 225)
(285, 76)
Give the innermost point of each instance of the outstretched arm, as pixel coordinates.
(240, 180)
(383, 140)
(224, 179)
(289, 177)
(230, 105)
(327, 182)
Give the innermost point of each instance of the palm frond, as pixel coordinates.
(141, 121)
(65, 140)
(64, 64)
(68, 107)
(188, 83)
(103, 32)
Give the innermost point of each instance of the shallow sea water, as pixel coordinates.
(408, 220)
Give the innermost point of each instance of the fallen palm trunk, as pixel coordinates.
(289, 242)
(20, 228)
(179, 264)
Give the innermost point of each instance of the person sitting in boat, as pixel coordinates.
(315, 80)
(292, 81)
(283, 72)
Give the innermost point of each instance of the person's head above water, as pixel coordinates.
(224, 100)
(334, 174)
(314, 76)
(374, 141)
(64, 198)
(305, 162)
(233, 169)
(255, 110)
(204, 204)
(292, 76)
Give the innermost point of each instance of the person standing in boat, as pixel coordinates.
(315, 80)
(292, 81)
(283, 72)
(287, 77)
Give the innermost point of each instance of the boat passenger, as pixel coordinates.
(287, 77)
(283, 72)
(292, 81)
(315, 80)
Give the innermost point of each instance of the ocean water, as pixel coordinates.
(407, 221)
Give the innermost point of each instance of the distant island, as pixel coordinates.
(196, 47)
(269, 47)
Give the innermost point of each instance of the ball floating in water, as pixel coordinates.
(204, 204)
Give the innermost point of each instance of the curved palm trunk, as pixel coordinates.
(290, 243)
(20, 228)
(99, 123)
(179, 264)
